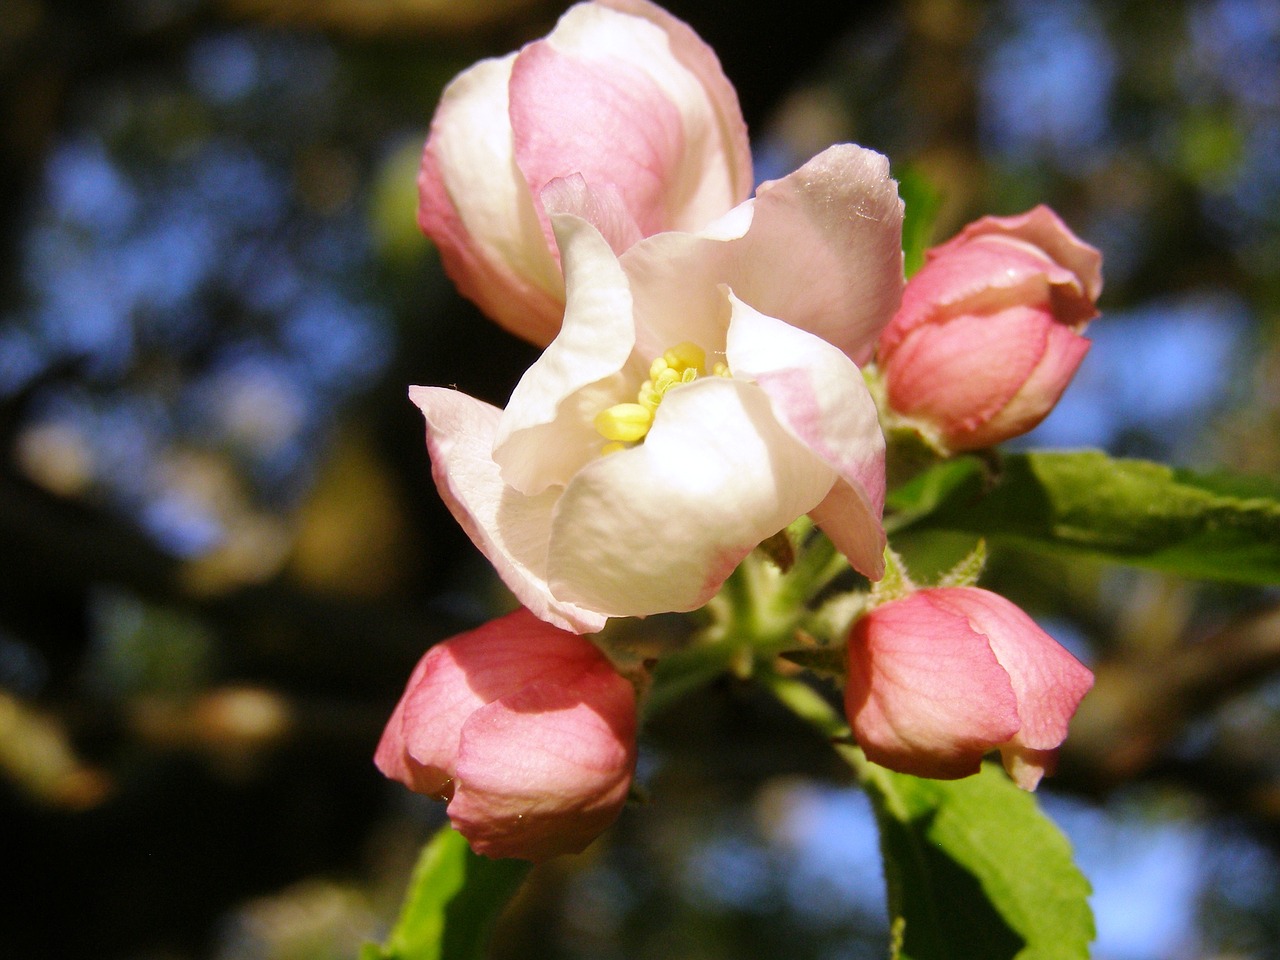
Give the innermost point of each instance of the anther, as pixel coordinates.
(624, 422)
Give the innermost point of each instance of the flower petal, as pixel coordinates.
(646, 108)
(675, 282)
(820, 249)
(1044, 229)
(491, 241)
(824, 251)
(393, 757)
(601, 205)
(935, 377)
(1047, 680)
(544, 770)
(510, 529)
(546, 432)
(819, 395)
(659, 527)
(926, 694)
(718, 172)
(1064, 349)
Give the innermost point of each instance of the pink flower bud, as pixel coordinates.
(941, 677)
(621, 94)
(525, 729)
(988, 334)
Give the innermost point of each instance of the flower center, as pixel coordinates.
(624, 424)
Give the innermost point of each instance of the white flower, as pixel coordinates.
(701, 395)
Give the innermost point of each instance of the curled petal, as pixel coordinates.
(527, 729)
(602, 206)
(510, 529)
(625, 94)
(544, 770)
(926, 694)
(546, 433)
(1040, 393)
(824, 250)
(1043, 229)
(818, 394)
(974, 405)
(985, 275)
(660, 526)
(718, 172)
(475, 204)
(675, 281)
(1047, 680)
(987, 337)
(393, 758)
(820, 249)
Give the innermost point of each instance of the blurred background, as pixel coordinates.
(221, 552)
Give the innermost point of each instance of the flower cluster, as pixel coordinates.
(704, 384)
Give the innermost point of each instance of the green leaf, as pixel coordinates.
(454, 899)
(921, 200)
(1215, 527)
(975, 871)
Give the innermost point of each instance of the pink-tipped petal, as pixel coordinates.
(926, 694)
(546, 434)
(935, 378)
(824, 250)
(510, 529)
(545, 770)
(819, 395)
(602, 206)
(475, 204)
(1048, 681)
(392, 756)
(1063, 352)
(624, 130)
(984, 276)
(628, 95)
(718, 173)
(527, 729)
(1044, 229)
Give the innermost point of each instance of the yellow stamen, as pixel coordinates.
(664, 381)
(649, 396)
(627, 423)
(624, 422)
(686, 356)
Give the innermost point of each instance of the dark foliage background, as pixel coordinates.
(221, 553)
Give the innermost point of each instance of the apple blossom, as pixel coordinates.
(988, 334)
(525, 729)
(677, 420)
(621, 93)
(940, 677)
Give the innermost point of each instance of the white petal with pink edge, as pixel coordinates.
(510, 529)
(819, 395)
(546, 434)
(658, 527)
